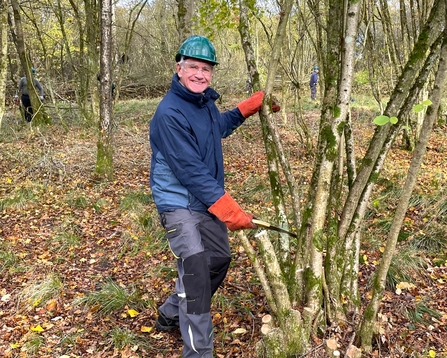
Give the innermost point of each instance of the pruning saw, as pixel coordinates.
(269, 226)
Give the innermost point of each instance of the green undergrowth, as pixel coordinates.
(112, 298)
(39, 292)
(422, 240)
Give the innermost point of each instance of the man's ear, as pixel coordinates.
(179, 70)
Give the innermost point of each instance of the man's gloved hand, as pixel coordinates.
(41, 98)
(253, 104)
(275, 107)
(229, 212)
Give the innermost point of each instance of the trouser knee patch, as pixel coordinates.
(196, 280)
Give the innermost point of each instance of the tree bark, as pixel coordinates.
(271, 151)
(185, 10)
(3, 55)
(104, 159)
(91, 71)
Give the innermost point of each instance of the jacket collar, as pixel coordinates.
(200, 98)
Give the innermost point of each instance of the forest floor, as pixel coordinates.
(84, 266)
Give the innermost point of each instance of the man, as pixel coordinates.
(187, 182)
(26, 102)
(313, 83)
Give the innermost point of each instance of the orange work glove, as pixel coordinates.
(253, 104)
(229, 212)
(275, 107)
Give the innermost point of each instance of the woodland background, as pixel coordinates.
(83, 260)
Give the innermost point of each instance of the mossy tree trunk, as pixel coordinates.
(185, 11)
(381, 139)
(104, 158)
(367, 327)
(3, 55)
(287, 336)
(271, 151)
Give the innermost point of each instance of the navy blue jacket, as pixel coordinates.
(185, 136)
(313, 79)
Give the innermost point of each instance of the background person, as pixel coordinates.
(23, 90)
(313, 83)
(187, 182)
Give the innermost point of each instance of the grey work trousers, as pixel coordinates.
(200, 244)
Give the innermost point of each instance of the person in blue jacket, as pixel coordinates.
(313, 83)
(187, 183)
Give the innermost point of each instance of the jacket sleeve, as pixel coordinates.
(21, 84)
(39, 87)
(230, 120)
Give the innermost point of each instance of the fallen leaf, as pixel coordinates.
(52, 305)
(240, 331)
(132, 313)
(6, 297)
(38, 328)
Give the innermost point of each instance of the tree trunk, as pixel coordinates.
(289, 336)
(39, 116)
(185, 9)
(273, 169)
(366, 330)
(429, 34)
(3, 55)
(104, 158)
(91, 72)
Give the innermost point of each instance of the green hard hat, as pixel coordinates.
(316, 68)
(198, 47)
(33, 71)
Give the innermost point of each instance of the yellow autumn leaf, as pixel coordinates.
(146, 329)
(432, 353)
(132, 313)
(8, 180)
(38, 328)
(14, 345)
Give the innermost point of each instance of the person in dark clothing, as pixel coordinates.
(23, 90)
(187, 182)
(313, 83)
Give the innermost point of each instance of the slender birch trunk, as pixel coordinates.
(366, 329)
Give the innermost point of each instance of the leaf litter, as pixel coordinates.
(56, 220)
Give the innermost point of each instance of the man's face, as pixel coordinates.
(195, 75)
